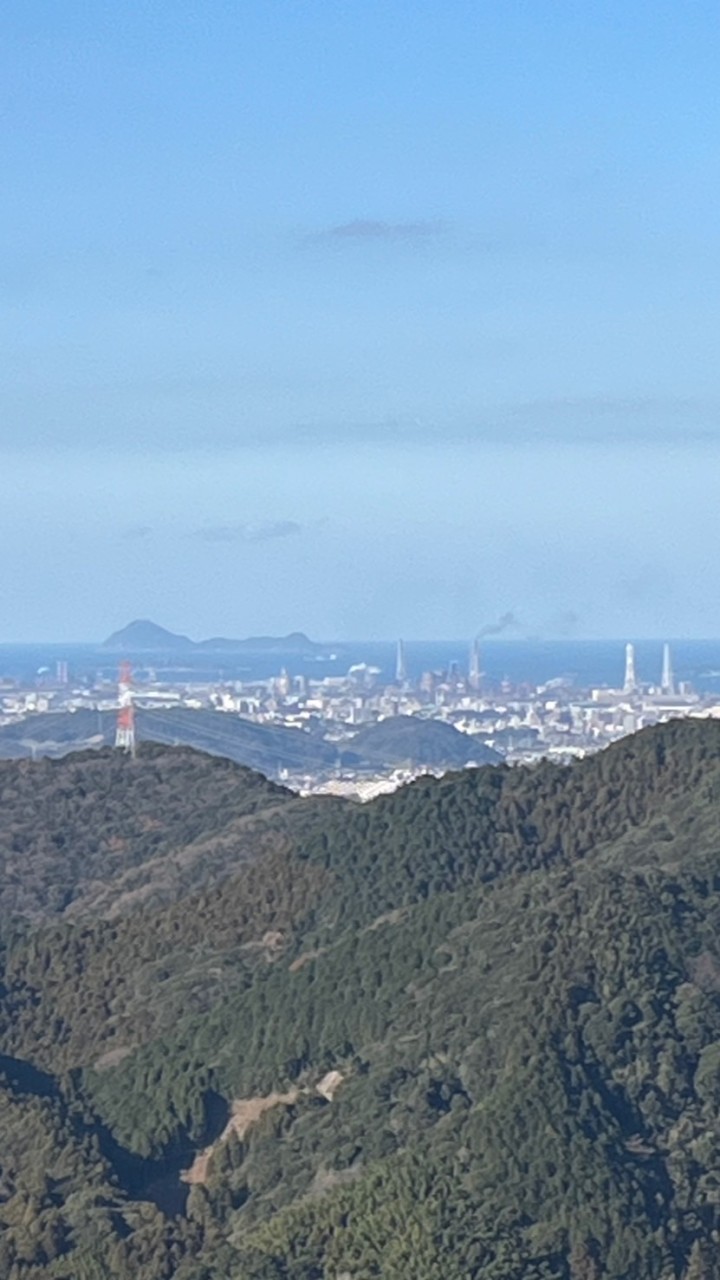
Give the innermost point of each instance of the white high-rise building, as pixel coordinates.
(400, 667)
(667, 680)
(630, 682)
(475, 672)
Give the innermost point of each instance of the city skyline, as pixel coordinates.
(420, 717)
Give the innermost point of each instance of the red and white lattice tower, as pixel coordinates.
(125, 731)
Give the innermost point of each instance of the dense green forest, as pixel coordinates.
(471, 1029)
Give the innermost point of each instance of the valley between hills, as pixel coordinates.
(470, 1029)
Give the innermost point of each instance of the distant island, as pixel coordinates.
(144, 636)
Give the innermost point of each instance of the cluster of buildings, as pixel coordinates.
(520, 722)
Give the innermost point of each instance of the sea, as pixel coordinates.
(580, 663)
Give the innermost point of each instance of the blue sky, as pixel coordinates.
(368, 319)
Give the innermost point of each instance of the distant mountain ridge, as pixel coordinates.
(398, 741)
(410, 740)
(145, 636)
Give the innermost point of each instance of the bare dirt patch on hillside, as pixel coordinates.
(247, 1111)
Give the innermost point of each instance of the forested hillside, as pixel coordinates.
(97, 831)
(469, 1030)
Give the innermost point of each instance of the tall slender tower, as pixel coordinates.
(474, 671)
(125, 731)
(400, 667)
(630, 682)
(667, 680)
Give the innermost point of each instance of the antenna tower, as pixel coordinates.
(125, 731)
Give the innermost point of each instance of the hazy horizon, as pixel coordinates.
(518, 638)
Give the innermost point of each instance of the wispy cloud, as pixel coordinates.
(601, 420)
(605, 418)
(264, 532)
(572, 420)
(377, 229)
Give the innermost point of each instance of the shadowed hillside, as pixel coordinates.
(401, 740)
(87, 831)
(267, 748)
(409, 740)
(471, 1029)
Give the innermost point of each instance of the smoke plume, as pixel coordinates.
(508, 622)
